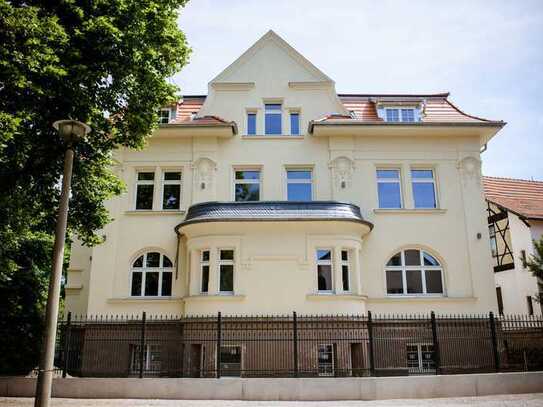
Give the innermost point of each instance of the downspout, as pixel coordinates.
(179, 235)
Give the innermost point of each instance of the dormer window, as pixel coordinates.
(400, 115)
(164, 116)
(273, 118)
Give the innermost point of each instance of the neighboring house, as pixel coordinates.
(515, 220)
(275, 194)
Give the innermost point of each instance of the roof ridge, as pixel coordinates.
(512, 179)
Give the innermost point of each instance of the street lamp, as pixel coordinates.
(71, 131)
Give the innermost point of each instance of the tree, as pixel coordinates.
(535, 263)
(105, 63)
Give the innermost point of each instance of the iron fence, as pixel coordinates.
(298, 346)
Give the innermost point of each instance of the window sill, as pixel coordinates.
(272, 137)
(215, 297)
(422, 298)
(410, 211)
(118, 300)
(334, 296)
(155, 213)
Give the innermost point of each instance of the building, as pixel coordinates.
(515, 220)
(272, 194)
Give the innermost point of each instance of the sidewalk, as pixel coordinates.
(517, 400)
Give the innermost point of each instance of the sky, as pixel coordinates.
(488, 54)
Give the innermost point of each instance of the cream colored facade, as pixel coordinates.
(275, 262)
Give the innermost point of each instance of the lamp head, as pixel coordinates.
(71, 131)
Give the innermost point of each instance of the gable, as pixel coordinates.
(271, 58)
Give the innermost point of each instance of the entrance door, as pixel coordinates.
(195, 365)
(231, 361)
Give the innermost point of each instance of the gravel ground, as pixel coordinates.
(517, 400)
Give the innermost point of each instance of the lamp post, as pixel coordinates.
(71, 131)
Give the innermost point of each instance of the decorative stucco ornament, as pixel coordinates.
(204, 173)
(470, 170)
(342, 172)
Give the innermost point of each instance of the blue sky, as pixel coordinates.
(486, 53)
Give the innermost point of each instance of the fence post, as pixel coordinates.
(494, 341)
(295, 342)
(437, 355)
(370, 344)
(219, 345)
(142, 343)
(66, 344)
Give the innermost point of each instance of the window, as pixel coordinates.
(389, 189)
(294, 123)
(226, 271)
(273, 118)
(299, 185)
(164, 116)
(420, 358)
(324, 270)
(345, 270)
(145, 187)
(414, 272)
(424, 191)
(151, 276)
(151, 358)
(326, 360)
(247, 185)
(500, 300)
(400, 115)
(204, 268)
(251, 123)
(530, 305)
(171, 190)
(493, 242)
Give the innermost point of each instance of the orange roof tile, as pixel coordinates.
(522, 197)
(436, 108)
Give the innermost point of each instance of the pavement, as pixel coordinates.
(509, 400)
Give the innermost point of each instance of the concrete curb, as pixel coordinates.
(307, 389)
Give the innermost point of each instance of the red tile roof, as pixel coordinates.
(436, 108)
(522, 197)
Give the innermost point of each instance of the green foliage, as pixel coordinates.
(105, 63)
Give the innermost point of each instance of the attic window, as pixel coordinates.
(273, 118)
(164, 116)
(400, 115)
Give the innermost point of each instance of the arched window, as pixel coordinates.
(414, 272)
(151, 276)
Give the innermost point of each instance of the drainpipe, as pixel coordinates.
(179, 235)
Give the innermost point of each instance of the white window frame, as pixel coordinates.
(389, 181)
(325, 263)
(291, 112)
(424, 181)
(400, 114)
(247, 181)
(280, 112)
(348, 264)
(171, 182)
(144, 182)
(420, 368)
(144, 270)
(422, 268)
(220, 263)
(299, 181)
(160, 117)
(135, 357)
(204, 263)
(247, 113)
(333, 363)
